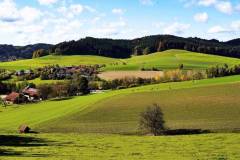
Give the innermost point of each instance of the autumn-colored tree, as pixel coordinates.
(39, 53)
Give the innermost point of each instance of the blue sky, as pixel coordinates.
(52, 21)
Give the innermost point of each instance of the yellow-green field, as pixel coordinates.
(42, 115)
(116, 147)
(170, 59)
(215, 108)
(205, 104)
(105, 126)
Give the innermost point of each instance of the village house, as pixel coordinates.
(27, 95)
(15, 98)
(31, 94)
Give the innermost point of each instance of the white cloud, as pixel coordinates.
(118, 11)
(232, 28)
(146, 2)
(30, 25)
(217, 29)
(207, 2)
(74, 10)
(30, 14)
(176, 28)
(47, 2)
(224, 7)
(236, 25)
(8, 11)
(201, 17)
(109, 30)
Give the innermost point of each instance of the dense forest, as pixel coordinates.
(145, 45)
(10, 52)
(122, 48)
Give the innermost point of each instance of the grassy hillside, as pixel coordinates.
(213, 108)
(171, 59)
(115, 147)
(163, 60)
(61, 60)
(36, 114)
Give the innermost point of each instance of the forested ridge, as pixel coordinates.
(122, 48)
(146, 45)
(10, 52)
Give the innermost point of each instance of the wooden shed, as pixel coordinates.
(24, 129)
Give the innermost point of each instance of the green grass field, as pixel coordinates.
(206, 104)
(170, 59)
(100, 126)
(115, 147)
(41, 115)
(61, 60)
(215, 108)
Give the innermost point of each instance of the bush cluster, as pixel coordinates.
(222, 71)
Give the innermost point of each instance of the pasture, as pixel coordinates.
(61, 60)
(108, 124)
(166, 60)
(116, 147)
(40, 116)
(215, 108)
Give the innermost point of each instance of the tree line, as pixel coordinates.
(77, 86)
(145, 45)
(222, 71)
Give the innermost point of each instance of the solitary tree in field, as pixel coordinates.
(152, 120)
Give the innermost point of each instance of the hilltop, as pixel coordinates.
(145, 45)
(123, 48)
(10, 52)
(170, 59)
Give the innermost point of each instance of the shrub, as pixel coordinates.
(152, 120)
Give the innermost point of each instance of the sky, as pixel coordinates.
(25, 22)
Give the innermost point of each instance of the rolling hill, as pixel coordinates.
(53, 116)
(205, 104)
(170, 59)
(120, 48)
(10, 52)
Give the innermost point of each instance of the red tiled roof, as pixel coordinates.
(12, 97)
(31, 91)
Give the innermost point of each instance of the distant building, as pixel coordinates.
(24, 129)
(27, 95)
(24, 72)
(32, 94)
(15, 98)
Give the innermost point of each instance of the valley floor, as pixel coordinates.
(115, 147)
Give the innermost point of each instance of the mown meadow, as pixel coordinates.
(49, 111)
(105, 125)
(166, 60)
(117, 147)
